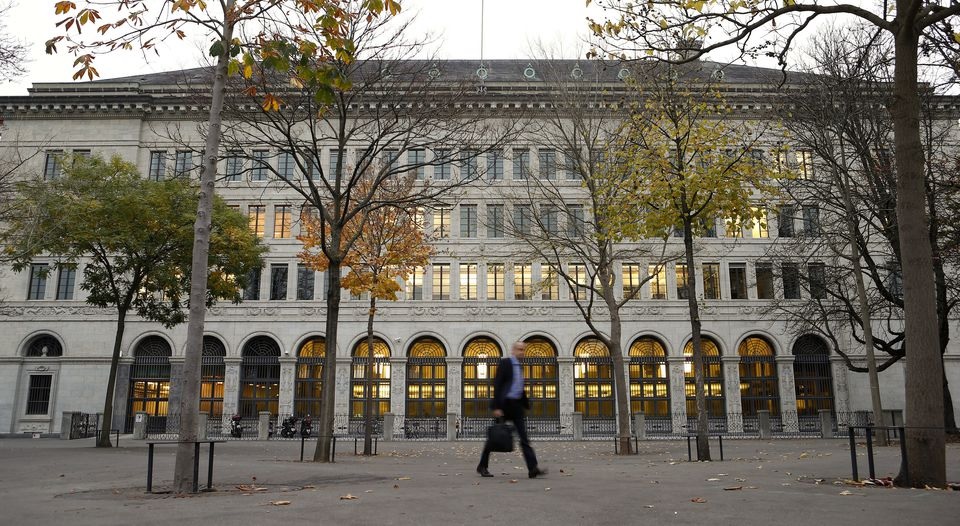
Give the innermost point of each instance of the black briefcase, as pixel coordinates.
(500, 437)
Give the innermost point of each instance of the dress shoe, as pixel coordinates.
(537, 472)
(484, 472)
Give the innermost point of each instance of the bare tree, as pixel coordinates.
(13, 52)
(383, 116)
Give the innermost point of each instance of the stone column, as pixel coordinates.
(788, 393)
(398, 386)
(231, 389)
(731, 391)
(341, 400)
(565, 370)
(454, 385)
(288, 370)
(678, 394)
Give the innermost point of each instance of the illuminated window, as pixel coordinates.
(581, 281)
(523, 282)
(711, 281)
(308, 389)
(593, 379)
(813, 379)
(540, 373)
(441, 223)
(480, 359)
(150, 382)
(212, 371)
(805, 164)
(733, 227)
(712, 378)
(658, 283)
(495, 279)
(549, 283)
(257, 218)
(649, 381)
(758, 377)
(380, 381)
(281, 222)
(759, 229)
(631, 280)
(682, 282)
(259, 377)
(468, 281)
(415, 284)
(426, 382)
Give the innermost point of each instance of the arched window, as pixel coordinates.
(380, 394)
(480, 358)
(712, 379)
(309, 385)
(649, 381)
(426, 380)
(150, 383)
(540, 375)
(593, 379)
(812, 375)
(259, 377)
(758, 377)
(44, 346)
(212, 371)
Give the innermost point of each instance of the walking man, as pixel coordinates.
(510, 403)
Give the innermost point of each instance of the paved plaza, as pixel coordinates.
(48, 481)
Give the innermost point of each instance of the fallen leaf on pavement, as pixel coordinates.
(403, 478)
(713, 480)
(648, 505)
(732, 488)
(348, 497)
(698, 500)
(280, 502)
(513, 481)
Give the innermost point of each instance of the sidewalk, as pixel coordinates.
(782, 481)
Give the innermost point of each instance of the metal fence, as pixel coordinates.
(423, 429)
(84, 425)
(658, 426)
(599, 427)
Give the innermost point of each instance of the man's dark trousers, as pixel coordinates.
(514, 411)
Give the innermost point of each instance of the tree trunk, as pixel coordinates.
(703, 422)
(328, 389)
(104, 439)
(190, 391)
(924, 398)
(621, 391)
(368, 398)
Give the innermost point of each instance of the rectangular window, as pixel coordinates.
(315, 172)
(234, 169)
(738, 281)
(894, 279)
(38, 394)
(759, 230)
(521, 164)
(261, 165)
(805, 164)
(417, 159)
(495, 277)
(468, 221)
(522, 220)
(256, 215)
(791, 281)
(286, 166)
(710, 227)
(785, 222)
(334, 162)
(82, 153)
(441, 281)
(495, 221)
(66, 282)
(523, 282)
(578, 273)
(305, 282)
(468, 281)
(658, 283)
(682, 282)
(549, 217)
(764, 281)
(468, 164)
(548, 164)
(252, 290)
(51, 165)
(441, 223)
(571, 167)
(38, 281)
(278, 282)
(183, 162)
(549, 284)
(818, 281)
(811, 220)
(575, 221)
(415, 284)
(733, 227)
(711, 281)
(281, 222)
(631, 280)
(390, 158)
(495, 165)
(158, 165)
(443, 171)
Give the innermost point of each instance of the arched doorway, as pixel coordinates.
(150, 384)
(712, 384)
(380, 385)
(212, 371)
(540, 373)
(309, 383)
(758, 380)
(650, 384)
(812, 376)
(481, 357)
(259, 378)
(593, 387)
(38, 374)
(426, 404)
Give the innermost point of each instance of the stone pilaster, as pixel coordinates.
(788, 392)
(841, 391)
(231, 389)
(288, 378)
(176, 390)
(678, 394)
(398, 385)
(731, 391)
(341, 399)
(565, 370)
(454, 385)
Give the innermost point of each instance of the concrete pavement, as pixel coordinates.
(49, 481)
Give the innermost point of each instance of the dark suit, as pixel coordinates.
(513, 410)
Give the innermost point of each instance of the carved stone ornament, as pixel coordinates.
(433, 312)
(537, 311)
(312, 311)
(483, 311)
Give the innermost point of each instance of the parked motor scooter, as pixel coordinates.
(306, 427)
(288, 428)
(236, 429)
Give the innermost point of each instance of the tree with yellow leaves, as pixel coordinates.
(688, 165)
(389, 245)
